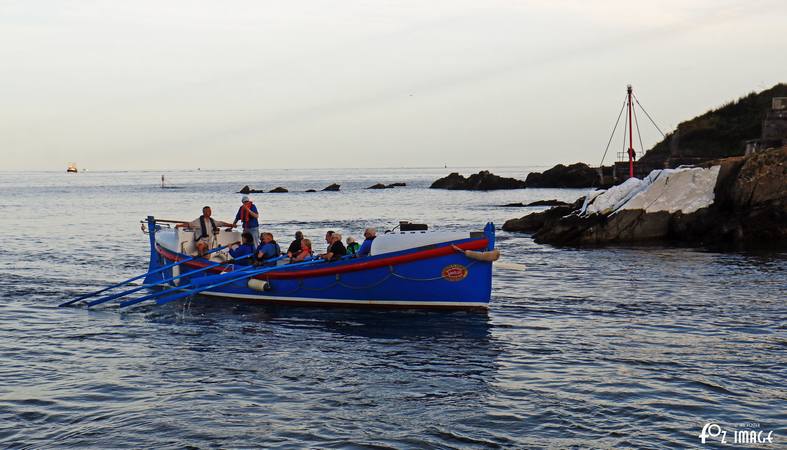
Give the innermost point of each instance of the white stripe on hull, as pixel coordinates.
(349, 302)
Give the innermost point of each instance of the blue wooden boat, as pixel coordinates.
(406, 269)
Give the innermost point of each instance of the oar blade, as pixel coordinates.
(122, 283)
(150, 296)
(212, 281)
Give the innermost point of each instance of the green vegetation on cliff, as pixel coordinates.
(721, 132)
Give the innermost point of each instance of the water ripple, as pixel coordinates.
(624, 347)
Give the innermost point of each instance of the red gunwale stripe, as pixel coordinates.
(336, 269)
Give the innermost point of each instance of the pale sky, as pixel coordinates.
(252, 84)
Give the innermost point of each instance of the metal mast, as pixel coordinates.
(631, 135)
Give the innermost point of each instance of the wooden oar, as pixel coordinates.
(165, 300)
(160, 269)
(201, 281)
(175, 289)
(166, 280)
(227, 279)
(510, 266)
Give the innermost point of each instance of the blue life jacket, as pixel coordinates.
(243, 250)
(269, 251)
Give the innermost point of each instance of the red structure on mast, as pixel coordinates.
(631, 152)
(630, 101)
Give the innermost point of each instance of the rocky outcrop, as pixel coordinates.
(247, 190)
(733, 200)
(481, 181)
(278, 190)
(533, 222)
(386, 186)
(332, 188)
(578, 175)
(453, 181)
(310, 190)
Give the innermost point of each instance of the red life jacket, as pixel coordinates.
(245, 211)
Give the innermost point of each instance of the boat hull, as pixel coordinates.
(434, 276)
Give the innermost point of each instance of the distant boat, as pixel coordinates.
(164, 185)
(72, 168)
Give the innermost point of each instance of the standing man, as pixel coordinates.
(247, 214)
(205, 230)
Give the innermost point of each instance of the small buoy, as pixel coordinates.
(490, 256)
(259, 285)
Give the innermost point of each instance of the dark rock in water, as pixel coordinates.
(578, 175)
(535, 221)
(566, 229)
(548, 203)
(247, 190)
(482, 181)
(452, 181)
(278, 190)
(333, 188)
(310, 190)
(536, 203)
(386, 186)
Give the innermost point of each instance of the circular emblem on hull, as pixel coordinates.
(454, 272)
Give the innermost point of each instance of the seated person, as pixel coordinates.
(205, 230)
(352, 246)
(295, 246)
(245, 248)
(336, 250)
(328, 239)
(305, 252)
(268, 250)
(366, 248)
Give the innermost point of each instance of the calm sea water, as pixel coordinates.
(606, 348)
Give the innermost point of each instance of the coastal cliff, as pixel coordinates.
(718, 133)
(737, 199)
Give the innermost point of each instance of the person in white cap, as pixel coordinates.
(248, 215)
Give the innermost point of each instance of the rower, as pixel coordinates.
(268, 250)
